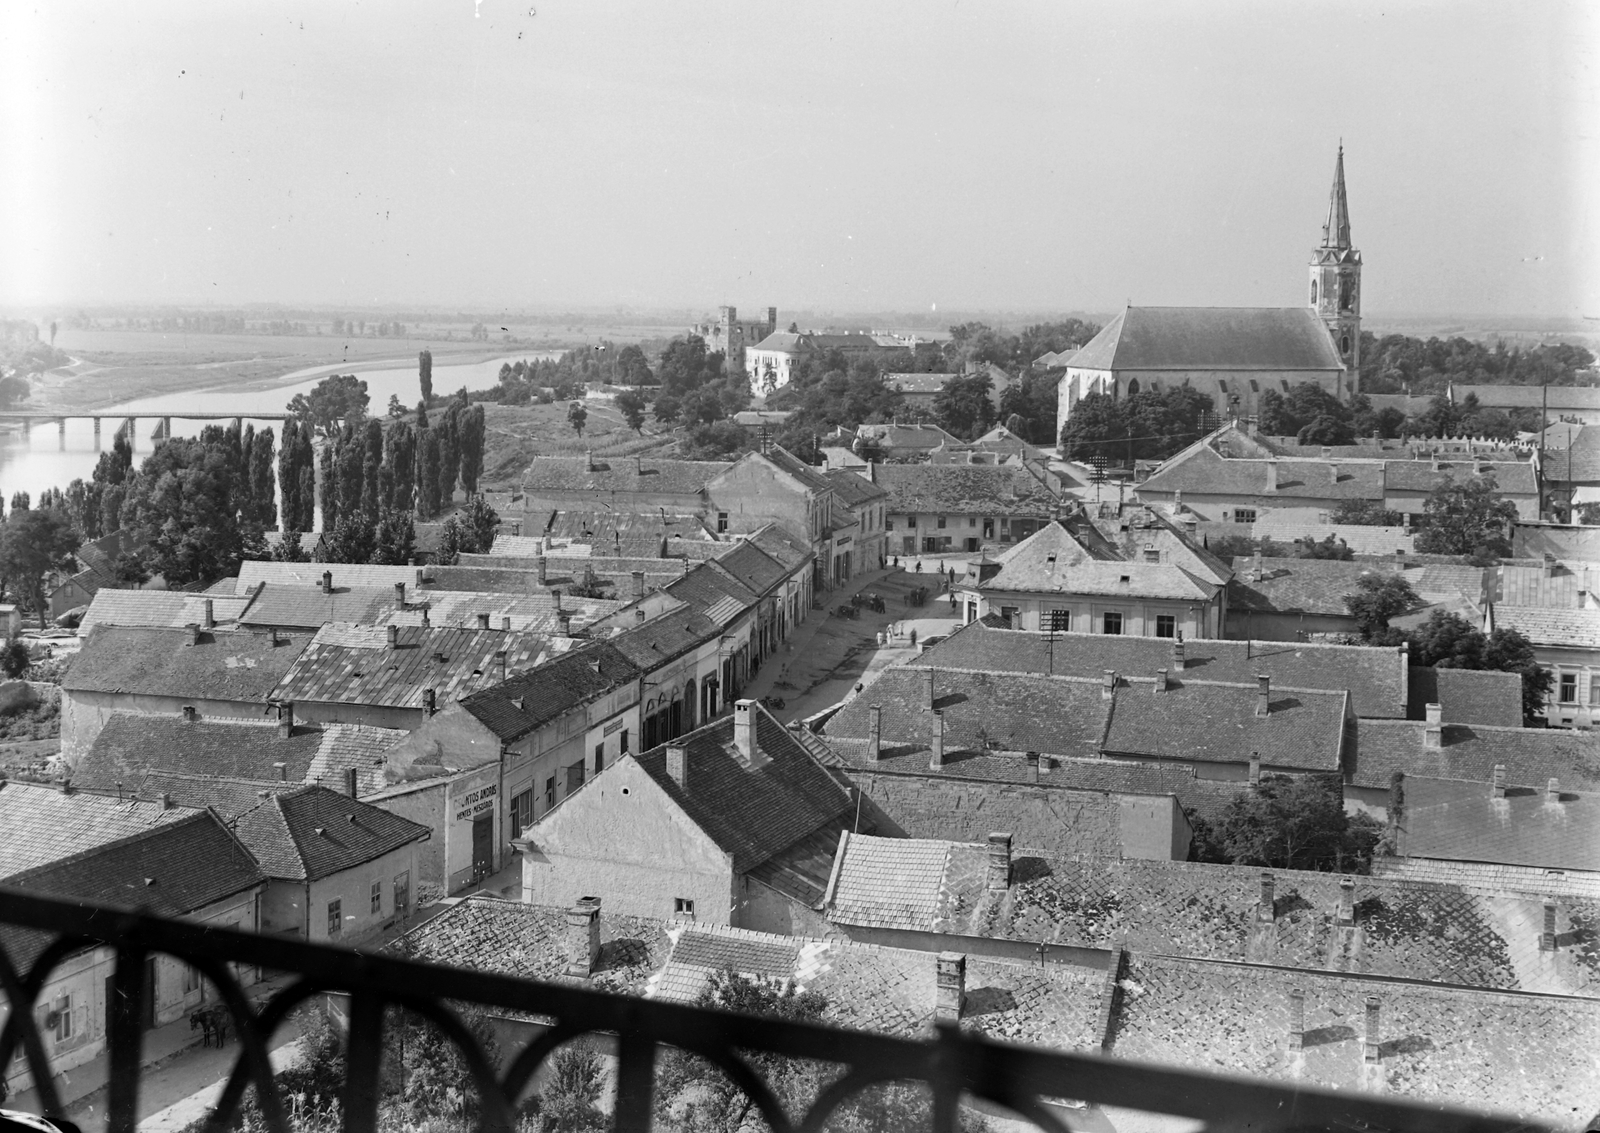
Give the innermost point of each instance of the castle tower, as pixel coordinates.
(1336, 280)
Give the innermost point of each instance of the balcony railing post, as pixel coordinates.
(363, 1054)
(636, 1066)
(128, 992)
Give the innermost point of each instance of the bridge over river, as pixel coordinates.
(129, 420)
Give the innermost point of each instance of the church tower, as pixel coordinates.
(1336, 280)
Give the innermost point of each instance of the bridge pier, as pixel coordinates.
(97, 434)
(238, 423)
(133, 430)
(166, 428)
(61, 432)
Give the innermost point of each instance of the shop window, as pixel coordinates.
(1166, 625)
(335, 918)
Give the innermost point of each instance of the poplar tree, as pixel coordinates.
(471, 440)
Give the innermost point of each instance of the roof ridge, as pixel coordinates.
(199, 815)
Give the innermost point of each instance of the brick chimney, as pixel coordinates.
(500, 660)
(951, 987)
(1497, 787)
(1433, 731)
(483, 621)
(399, 595)
(564, 623)
(1255, 769)
(429, 702)
(327, 582)
(1108, 684)
(394, 636)
(426, 624)
(588, 460)
(1258, 572)
(1297, 1018)
(1161, 680)
(283, 771)
(505, 623)
(1370, 1046)
(678, 766)
(1347, 900)
(638, 586)
(583, 937)
(210, 619)
(1552, 792)
(286, 719)
(1547, 938)
(539, 569)
(1032, 759)
(351, 782)
(744, 728)
(937, 753)
(1177, 653)
(1264, 909)
(1263, 694)
(874, 733)
(927, 688)
(190, 715)
(1272, 475)
(999, 861)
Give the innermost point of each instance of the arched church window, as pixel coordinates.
(1344, 344)
(1347, 292)
(1313, 293)
(1133, 386)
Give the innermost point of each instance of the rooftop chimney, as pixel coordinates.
(1257, 571)
(210, 618)
(1177, 653)
(951, 991)
(1433, 731)
(425, 621)
(399, 595)
(1552, 792)
(999, 861)
(1263, 694)
(1032, 760)
(189, 714)
(1264, 910)
(927, 688)
(1108, 684)
(166, 801)
(1549, 565)
(1547, 938)
(1498, 787)
(937, 743)
(1272, 475)
(1370, 1046)
(1347, 900)
(394, 635)
(874, 733)
(1161, 680)
(678, 766)
(588, 460)
(564, 623)
(638, 615)
(1297, 1018)
(500, 660)
(744, 728)
(350, 781)
(419, 576)
(483, 621)
(429, 702)
(638, 586)
(555, 596)
(286, 719)
(283, 771)
(327, 582)
(583, 937)
(1255, 769)
(194, 634)
(539, 569)
(505, 623)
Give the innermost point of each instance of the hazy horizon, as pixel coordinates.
(886, 159)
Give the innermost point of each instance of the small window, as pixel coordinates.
(1060, 621)
(911, 521)
(888, 525)
(521, 812)
(682, 907)
(1594, 690)
(1152, 555)
(574, 776)
(941, 522)
(550, 793)
(972, 521)
(1255, 387)
(377, 898)
(1166, 625)
(402, 892)
(191, 979)
(1569, 688)
(622, 744)
(1112, 622)
(599, 757)
(61, 1009)
(722, 521)
(1244, 515)
(335, 918)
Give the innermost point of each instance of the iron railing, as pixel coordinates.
(1018, 1078)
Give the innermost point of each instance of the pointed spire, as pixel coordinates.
(1336, 232)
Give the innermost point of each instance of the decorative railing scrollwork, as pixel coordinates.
(951, 1063)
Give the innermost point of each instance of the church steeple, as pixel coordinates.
(1336, 280)
(1336, 232)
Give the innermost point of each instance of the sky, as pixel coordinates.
(1064, 155)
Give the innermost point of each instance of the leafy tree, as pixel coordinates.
(963, 407)
(577, 417)
(666, 409)
(1379, 597)
(14, 663)
(296, 477)
(1508, 651)
(14, 389)
(569, 1101)
(632, 407)
(32, 545)
(1325, 430)
(394, 542)
(424, 375)
(428, 464)
(352, 540)
(1031, 399)
(289, 549)
(400, 458)
(338, 397)
(264, 506)
(633, 368)
(721, 440)
(1293, 822)
(1098, 426)
(1449, 641)
(180, 502)
(1589, 513)
(397, 409)
(450, 540)
(1365, 513)
(479, 522)
(471, 444)
(1327, 548)
(1273, 416)
(1468, 517)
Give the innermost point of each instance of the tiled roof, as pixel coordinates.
(1051, 561)
(908, 438)
(752, 566)
(1516, 478)
(1205, 721)
(156, 608)
(1486, 877)
(1532, 1056)
(715, 593)
(313, 833)
(1578, 463)
(782, 547)
(964, 489)
(171, 870)
(801, 870)
(517, 706)
(1529, 397)
(1362, 540)
(1578, 628)
(1201, 471)
(619, 474)
(1531, 755)
(347, 664)
(255, 571)
(1300, 586)
(1407, 929)
(1005, 711)
(854, 490)
(643, 529)
(309, 607)
(228, 797)
(43, 824)
(1462, 821)
(784, 459)
(1375, 678)
(1467, 696)
(662, 638)
(1211, 338)
(752, 809)
(224, 665)
(529, 613)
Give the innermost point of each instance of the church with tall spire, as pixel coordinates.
(1236, 355)
(1336, 279)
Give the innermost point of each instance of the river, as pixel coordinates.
(40, 458)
